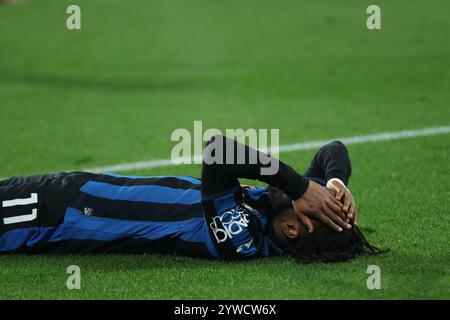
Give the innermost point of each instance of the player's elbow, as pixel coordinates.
(338, 144)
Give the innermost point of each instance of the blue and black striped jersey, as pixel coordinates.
(211, 217)
(168, 214)
(133, 214)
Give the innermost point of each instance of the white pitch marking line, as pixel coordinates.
(383, 136)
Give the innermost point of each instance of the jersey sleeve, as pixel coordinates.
(235, 226)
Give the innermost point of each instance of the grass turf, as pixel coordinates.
(114, 91)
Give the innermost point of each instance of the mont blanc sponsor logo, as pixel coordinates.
(233, 222)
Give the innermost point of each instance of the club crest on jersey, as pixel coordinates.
(233, 222)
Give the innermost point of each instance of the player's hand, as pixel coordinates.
(318, 203)
(344, 196)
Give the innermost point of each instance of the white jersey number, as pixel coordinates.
(21, 202)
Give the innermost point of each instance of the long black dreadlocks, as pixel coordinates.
(324, 244)
(327, 245)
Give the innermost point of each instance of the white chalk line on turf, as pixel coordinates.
(383, 136)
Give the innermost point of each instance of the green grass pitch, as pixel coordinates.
(113, 92)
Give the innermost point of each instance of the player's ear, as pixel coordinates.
(291, 228)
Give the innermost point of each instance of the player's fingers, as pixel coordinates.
(351, 211)
(347, 202)
(328, 222)
(332, 191)
(355, 218)
(339, 220)
(306, 221)
(340, 194)
(336, 209)
(336, 202)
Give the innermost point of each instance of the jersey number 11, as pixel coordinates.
(21, 202)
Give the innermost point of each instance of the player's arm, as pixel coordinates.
(221, 172)
(234, 226)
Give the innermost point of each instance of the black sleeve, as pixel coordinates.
(331, 161)
(222, 167)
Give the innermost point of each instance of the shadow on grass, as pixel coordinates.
(119, 84)
(135, 262)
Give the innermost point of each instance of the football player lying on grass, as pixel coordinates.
(212, 217)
